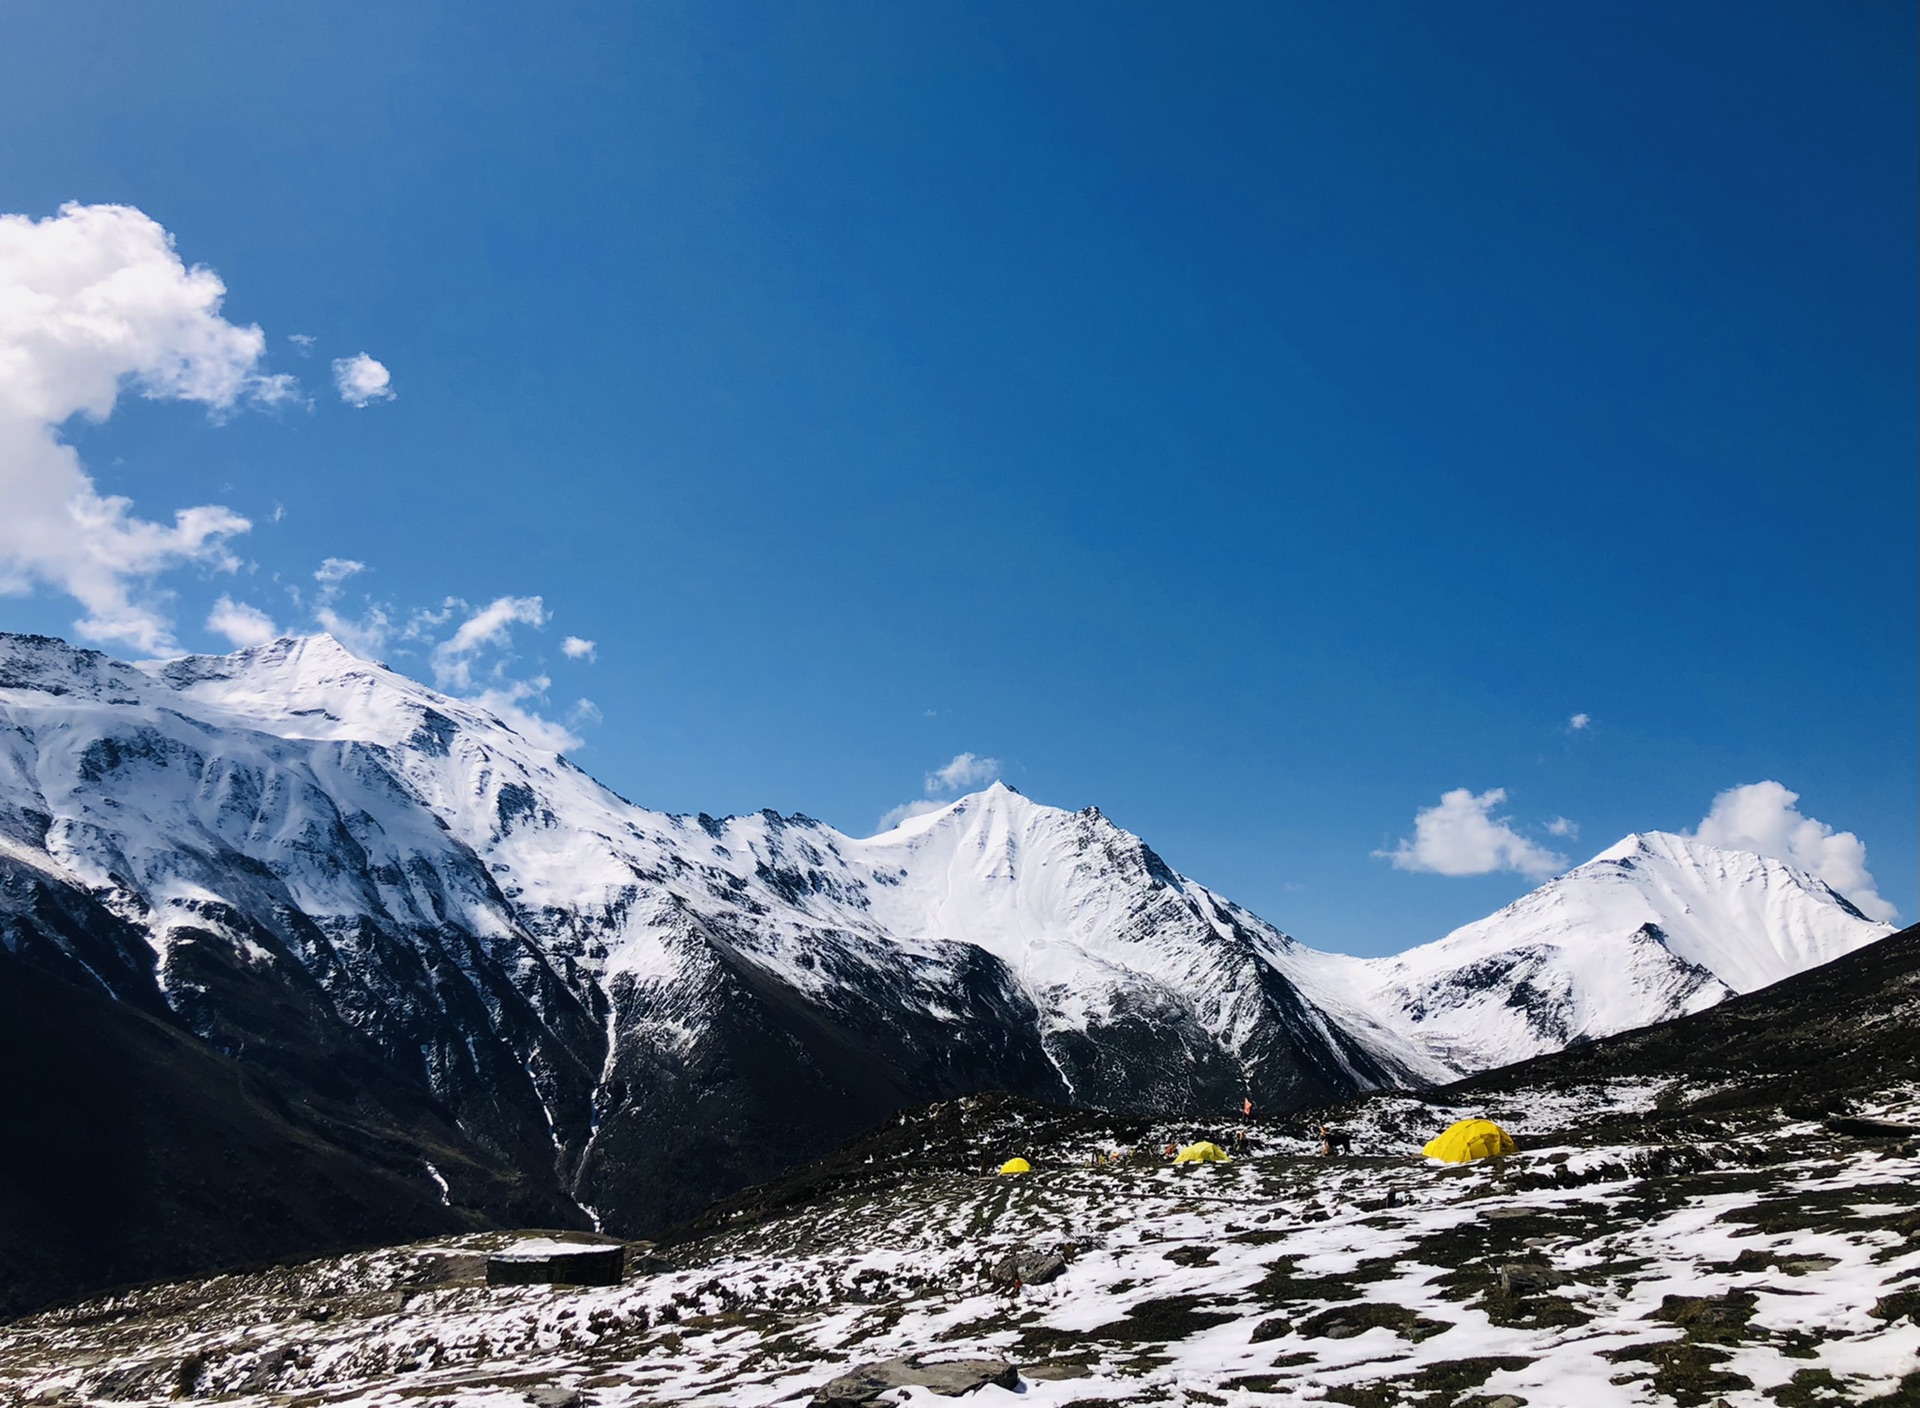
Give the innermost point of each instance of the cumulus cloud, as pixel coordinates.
(508, 700)
(1765, 817)
(906, 811)
(1579, 721)
(964, 771)
(94, 302)
(460, 665)
(491, 625)
(361, 380)
(365, 634)
(575, 648)
(1560, 826)
(1462, 836)
(240, 623)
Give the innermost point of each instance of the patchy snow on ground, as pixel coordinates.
(1779, 1265)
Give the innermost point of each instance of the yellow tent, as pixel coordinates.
(1470, 1139)
(1016, 1166)
(1205, 1152)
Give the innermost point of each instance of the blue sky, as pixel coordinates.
(1259, 422)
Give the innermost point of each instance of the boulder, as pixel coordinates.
(1857, 1128)
(1808, 1265)
(1272, 1328)
(947, 1377)
(1191, 1256)
(1028, 1266)
(1524, 1278)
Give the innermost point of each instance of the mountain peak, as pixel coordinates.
(997, 796)
(320, 645)
(309, 686)
(1571, 958)
(1670, 846)
(1691, 854)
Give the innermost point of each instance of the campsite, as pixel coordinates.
(1000, 703)
(1683, 1219)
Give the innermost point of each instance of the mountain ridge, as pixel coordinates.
(303, 852)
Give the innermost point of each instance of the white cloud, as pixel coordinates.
(506, 701)
(490, 628)
(93, 302)
(423, 622)
(474, 662)
(966, 770)
(366, 634)
(1579, 721)
(1560, 826)
(1765, 817)
(575, 648)
(1461, 836)
(240, 623)
(361, 380)
(335, 570)
(302, 340)
(491, 625)
(905, 812)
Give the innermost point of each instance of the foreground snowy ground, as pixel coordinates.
(1763, 1261)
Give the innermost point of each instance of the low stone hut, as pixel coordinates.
(545, 1261)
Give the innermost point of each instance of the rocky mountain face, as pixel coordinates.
(375, 900)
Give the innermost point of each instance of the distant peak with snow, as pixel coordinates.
(1653, 927)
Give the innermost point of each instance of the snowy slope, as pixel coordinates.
(609, 992)
(1650, 929)
(646, 1009)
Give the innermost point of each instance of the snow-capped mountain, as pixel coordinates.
(317, 854)
(304, 853)
(1650, 929)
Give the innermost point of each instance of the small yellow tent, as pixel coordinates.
(1205, 1152)
(1470, 1139)
(1016, 1166)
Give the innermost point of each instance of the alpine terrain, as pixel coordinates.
(424, 975)
(1717, 1210)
